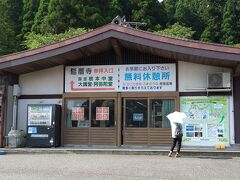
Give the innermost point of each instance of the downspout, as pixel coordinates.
(16, 93)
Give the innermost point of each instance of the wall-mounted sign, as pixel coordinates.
(121, 78)
(91, 78)
(207, 121)
(144, 77)
(77, 114)
(102, 113)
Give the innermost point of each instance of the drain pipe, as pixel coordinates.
(16, 93)
(15, 137)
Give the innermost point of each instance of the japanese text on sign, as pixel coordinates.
(115, 78)
(77, 113)
(102, 113)
(91, 78)
(153, 77)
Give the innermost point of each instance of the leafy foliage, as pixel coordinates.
(34, 40)
(29, 10)
(8, 28)
(176, 30)
(229, 23)
(186, 14)
(215, 21)
(212, 32)
(40, 15)
(7, 40)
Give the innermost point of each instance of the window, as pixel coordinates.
(102, 113)
(160, 108)
(77, 113)
(136, 113)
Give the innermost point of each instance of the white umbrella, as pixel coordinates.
(176, 117)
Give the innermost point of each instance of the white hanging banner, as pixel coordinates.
(144, 77)
(121, 78)
(91, 78)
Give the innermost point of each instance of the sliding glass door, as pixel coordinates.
(145, 120)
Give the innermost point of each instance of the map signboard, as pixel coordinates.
(207, 121)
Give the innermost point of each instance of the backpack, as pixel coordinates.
(178, 132)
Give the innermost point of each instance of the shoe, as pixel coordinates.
(177, 155)
(170, 154)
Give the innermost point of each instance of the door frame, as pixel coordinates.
(148, 130)
(90, 96)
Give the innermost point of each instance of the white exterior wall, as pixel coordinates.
(44, 82)
(193, 77)
(22, 109)
(47, 81)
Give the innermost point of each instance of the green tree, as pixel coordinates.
(79, 13)
(176, 30)
(41, 13)
(188, 16)
(229, 23)
(7, 38)
(8, 27)
(30, 8)
(151, 12)
(14, 12)
(107, 10)
(212, 31)
(237, 21)
(170, 7)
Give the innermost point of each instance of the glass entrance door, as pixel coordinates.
(90, 121)
(103, 120)
(145, 121)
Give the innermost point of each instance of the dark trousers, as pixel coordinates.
(175, 141)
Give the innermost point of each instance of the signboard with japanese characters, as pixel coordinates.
(91, 78)
(144, 77)
(102, 113)
(77, 114)
(121, 78)
(207, 121)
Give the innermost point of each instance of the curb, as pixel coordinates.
(216, 153)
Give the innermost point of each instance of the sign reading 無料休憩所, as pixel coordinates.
(144, 77)
(115, 78)
(207, 120)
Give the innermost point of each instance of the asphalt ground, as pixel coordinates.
(115, 167)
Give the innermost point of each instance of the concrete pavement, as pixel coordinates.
(116, 167)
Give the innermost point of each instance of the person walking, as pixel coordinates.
(177, 134)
